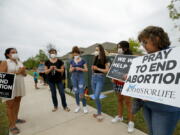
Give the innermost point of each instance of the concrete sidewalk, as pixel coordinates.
(36, 109)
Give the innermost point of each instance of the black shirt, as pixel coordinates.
(128, 52)
(54, 76)
(99, 64)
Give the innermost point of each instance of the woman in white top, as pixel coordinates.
(14, 66)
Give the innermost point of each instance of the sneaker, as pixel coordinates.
(130, 127)
(77, 109)
(85, 110)
(117, 119)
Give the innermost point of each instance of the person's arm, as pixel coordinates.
(85, 69)
(61, 70)
(102, 70)
(22, 71)
(3, 66)
(71, 69)
(48, 70)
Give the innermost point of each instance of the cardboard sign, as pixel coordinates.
(120, 67)
(6, 85)
(155, 77)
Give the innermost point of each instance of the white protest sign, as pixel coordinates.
(6, 85)
(155, 77)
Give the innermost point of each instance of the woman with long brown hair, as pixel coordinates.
(99, 68)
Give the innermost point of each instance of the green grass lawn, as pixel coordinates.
(3, 119)
(109, 106)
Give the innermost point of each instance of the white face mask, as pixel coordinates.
(15, 56)
(76, 57)
(96, 53)
(53, 56)
(120, 50)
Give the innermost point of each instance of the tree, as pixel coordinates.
(174, 12)
(135, 46)
(31, 63)
(41, 56)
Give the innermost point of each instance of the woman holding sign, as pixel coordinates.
(161, 119)
(123, 47)
(14, 66)
(99, 68)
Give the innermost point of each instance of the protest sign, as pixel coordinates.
(120, 67)
(155, 77)
(6, 85)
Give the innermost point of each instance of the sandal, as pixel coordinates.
(67, 109)
(20, 121)
(55, 109)
(14, 131)
(95, 115)
(100, 118)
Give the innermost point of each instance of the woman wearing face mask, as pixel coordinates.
(14, 66)
(99, 68)
(123, 48)
(161, 119)
(54, 68)
(77, 67)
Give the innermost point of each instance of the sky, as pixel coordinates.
(31, 25)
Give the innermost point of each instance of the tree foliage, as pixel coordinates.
(174, 9)
(134, 46)
(33, 62)
(174, 12)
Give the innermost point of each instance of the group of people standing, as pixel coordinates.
(54, 68)
(161, 119)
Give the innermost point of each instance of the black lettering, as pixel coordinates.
(166, 53)
(152, 67)
(147, 79)
(140, 79)
(151, 57)
(143, 68)
(177, 78)
(159, 56)
(160, 66)
(145, 58)
(170, 76)
(171, 65)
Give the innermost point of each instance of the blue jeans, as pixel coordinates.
(60, 87)
(97, 86)
(78, 82)
(160, 122)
